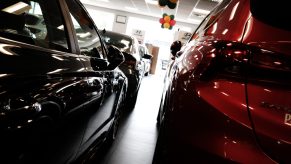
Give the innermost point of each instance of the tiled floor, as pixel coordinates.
(137, 134)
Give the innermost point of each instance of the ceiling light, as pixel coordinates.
(131, 8)
(152, 2)
(195, 21)
(17, 8)
(201, 11)
(103, 0)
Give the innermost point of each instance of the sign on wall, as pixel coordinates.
(139, 34)
(184, 36)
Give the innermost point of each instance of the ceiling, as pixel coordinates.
(188, 11)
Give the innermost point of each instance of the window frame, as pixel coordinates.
(72, 31)
(219, 8)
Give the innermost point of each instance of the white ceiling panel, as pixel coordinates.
(188, 11)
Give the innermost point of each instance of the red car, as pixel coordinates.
(227, 94)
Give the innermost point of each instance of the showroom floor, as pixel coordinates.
(137, 134)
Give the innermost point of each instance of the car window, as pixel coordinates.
(123, 42)
(275, 14)
(88, 39)
(210, 18)
(33, 22)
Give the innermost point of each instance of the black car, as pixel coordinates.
(134, 66)
(61, 92)
(144, 52)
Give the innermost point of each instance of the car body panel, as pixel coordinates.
(133, 66)
(56, 106)
(226, 95)
(269, 88)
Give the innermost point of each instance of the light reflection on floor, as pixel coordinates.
(137, 134)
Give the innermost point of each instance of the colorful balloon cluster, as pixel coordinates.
(167, 21)
(171, 3)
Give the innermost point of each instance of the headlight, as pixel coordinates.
(19, 104)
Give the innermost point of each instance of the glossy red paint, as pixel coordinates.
(226, 97)
(269, 100)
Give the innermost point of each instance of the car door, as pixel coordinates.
(43, 67)
(138, 57)
(103, 89)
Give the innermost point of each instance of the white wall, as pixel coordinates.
(102, 19)
(154, 34)
(101, 11)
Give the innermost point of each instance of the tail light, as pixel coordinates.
(223, 59)
(238, 60)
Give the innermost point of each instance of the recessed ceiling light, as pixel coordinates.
(103, 0)
(152, 2)
(195, 21)
(17, 8)
(216, 1)
(201, 11)
(131, 8)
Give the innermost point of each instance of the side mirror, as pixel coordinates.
(147, 56)
(179, 53)
(114, 56)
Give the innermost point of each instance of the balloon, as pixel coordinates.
(162, 21)
(167, 19)
(172, 5)
(172, 22)
(166, 25)
(162, 3)
(172, 16)
(173, 1)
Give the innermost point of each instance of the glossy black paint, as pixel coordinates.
(56, 106)
(134, 66)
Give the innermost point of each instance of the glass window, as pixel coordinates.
(88, 38)
(103, 20)
(210, 19)
(123, 42)
(34, 22)
(141, 50)
(275, 14)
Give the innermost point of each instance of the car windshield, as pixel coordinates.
(122, 42)
(276, 13)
